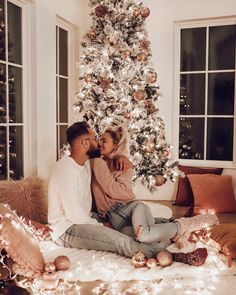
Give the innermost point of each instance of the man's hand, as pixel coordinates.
(122, 163)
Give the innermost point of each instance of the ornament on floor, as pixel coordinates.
(151, 263)
(49, 266)
(145, 12)
(101, 11)
(139, 259)
(139, 95)
(62, 263)
(48, 281)
(164, 258)
(160, 180)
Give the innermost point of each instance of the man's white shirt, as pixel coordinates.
(69, 196)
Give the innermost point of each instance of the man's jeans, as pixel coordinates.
(139, 215)
(97, 237)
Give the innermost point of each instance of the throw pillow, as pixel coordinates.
(19, 244)
(212, 193)
(184, 195)
(28, 197)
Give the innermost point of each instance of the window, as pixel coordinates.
(205, 87)
(11, 91)
(63, 81)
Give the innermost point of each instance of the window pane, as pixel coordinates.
(2, 93)
(16, 152)
(191, 138)
(192, 94)
(2, 32)
(222, 47)
(14, 33)
(3, 154)
(63, 136)
(220, 139)
(57, 31)
(15, 95)
(63, 99)
(221, 94)
(63, 52)
(193, 49)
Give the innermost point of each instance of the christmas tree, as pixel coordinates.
(118, 86)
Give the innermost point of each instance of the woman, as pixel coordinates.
(115, 200)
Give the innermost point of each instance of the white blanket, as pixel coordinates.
(88, 265)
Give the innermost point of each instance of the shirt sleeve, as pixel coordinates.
(118, 187)
(67, 188)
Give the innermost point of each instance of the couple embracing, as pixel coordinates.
(100, 171)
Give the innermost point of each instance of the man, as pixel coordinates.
(70, 202)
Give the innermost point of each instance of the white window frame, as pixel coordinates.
(176, 115)
(72, 31)
(27, 88)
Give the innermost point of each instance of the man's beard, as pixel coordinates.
(93, 152)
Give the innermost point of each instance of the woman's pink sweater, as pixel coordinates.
(110, 186)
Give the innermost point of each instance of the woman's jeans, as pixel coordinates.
(147, 229)
(98, 237)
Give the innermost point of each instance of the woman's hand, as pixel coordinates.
(122, 163)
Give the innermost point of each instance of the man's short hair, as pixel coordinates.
(76, 130)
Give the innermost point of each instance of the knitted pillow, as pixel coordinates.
(212, 193)
(28, 197)
(184, 195)
(19, 243)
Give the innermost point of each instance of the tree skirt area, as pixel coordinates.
(119, 276)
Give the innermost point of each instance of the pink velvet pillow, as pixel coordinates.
(19, 243)
(184, 195)
(212, 193)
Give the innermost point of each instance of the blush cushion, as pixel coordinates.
(212, 193)
(184, 196)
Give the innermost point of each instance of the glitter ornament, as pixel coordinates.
(138, 95)
(62, 263)
(49, 266)
(141, 56)
(88, 79)
(151, 78)
(127, 115)
(160, 180)
(150, 146)
(104, 83)
(149, 106)
(48, 281)
(145, 12)
(139, 259)
(151, 263)
(165, 153)
(164, 258)
(101, 11)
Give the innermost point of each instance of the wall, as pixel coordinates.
(46, 12)
(160, 25)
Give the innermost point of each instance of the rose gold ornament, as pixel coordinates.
(126, 54)
(145, 45)
(139, 259)
(88, 78)
(164, 258)
(136, 12)
(149, 106)
(139, 95)
(49, 267)
(141, 56)
(91, 34)
(165, 153)
(160, 180)
(145, 12)
(104, 83)
(150, 146)
(151, 78)
(127, 115)
(151, 263)
(62, 263)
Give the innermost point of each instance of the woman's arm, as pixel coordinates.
(116, 187)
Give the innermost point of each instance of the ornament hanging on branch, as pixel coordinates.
(150, 107)
(145, 12)
(101, 11)
(151, 77)
(141, 56)
(150, 146)
(91, 34)
(139, 95)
